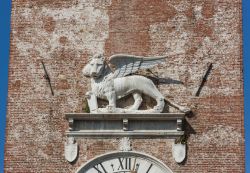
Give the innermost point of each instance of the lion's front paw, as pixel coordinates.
(157, 109)
(110, 109)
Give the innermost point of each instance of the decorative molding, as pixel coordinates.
(70, 149)
(112, 133)
(125, 144)
(179, 124)
(125, 124)
(133, 125)
(179, 152)
(71, 124)
(114, 116)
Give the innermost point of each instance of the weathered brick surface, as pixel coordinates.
(65, 33)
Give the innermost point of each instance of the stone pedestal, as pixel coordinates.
(132, 125)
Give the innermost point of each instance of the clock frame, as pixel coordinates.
(124, 162)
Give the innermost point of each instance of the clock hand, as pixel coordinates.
(133, 169)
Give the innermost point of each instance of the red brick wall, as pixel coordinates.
(64, 34)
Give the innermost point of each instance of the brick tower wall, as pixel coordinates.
(64, 34)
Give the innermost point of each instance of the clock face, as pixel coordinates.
(124, 162)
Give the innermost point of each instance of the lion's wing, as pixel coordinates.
(129, 64)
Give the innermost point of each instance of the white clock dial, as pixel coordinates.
(124, 162)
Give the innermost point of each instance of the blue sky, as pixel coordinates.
(4, 58)
(5, 6)
(246, 55)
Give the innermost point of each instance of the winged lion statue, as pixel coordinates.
(114, 83)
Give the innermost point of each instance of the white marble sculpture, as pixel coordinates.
(117, 82)
(70, 149)
(179, 152)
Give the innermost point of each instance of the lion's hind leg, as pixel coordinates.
(137, 101)
(160, 104)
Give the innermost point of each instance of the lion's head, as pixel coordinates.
(95, 66)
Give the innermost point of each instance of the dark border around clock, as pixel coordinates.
(111, 155)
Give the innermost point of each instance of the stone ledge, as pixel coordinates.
(100, 125)
(114, 116)
(105, 133)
